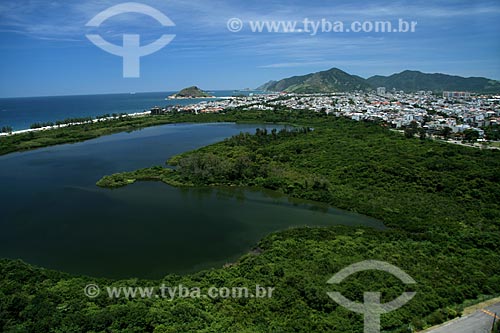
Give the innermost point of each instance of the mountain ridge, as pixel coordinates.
(412, 80)
(331, 80)
(336, 80)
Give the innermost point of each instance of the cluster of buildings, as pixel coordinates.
(219, 104)
(457, 110)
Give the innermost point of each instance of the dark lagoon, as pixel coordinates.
(53, 215)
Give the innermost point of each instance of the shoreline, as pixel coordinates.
(189, 98)
(139, 115)
(93, 121)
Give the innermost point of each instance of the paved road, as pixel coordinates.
(477, 322)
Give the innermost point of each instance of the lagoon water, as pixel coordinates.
(53, 215)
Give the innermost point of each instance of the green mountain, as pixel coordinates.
(336, 80)
(191, 92)
(414, 81)
(333, 80)
(265, 86)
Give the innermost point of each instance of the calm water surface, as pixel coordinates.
(53, 215)
(20, 113)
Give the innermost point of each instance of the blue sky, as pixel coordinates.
(44, 51)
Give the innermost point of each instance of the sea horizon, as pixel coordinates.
(167, 92)
(20, 113)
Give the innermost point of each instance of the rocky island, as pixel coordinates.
(191, 93)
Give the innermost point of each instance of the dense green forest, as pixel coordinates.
(440, 202)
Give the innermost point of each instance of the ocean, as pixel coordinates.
(21, 113)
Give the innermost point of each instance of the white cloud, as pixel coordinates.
(64, 18)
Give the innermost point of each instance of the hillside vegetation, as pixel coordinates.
(416, 81)
(336, 80)
(333, 80)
